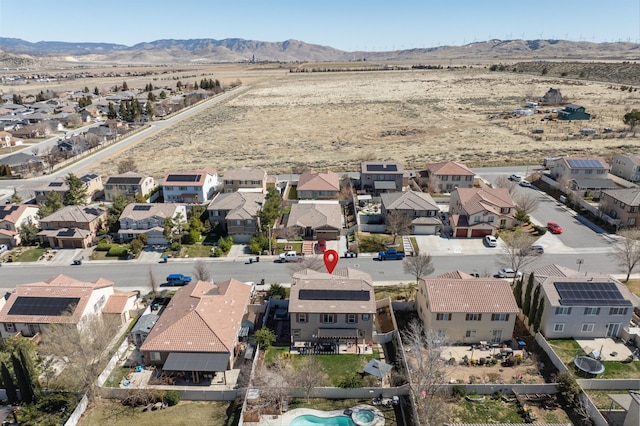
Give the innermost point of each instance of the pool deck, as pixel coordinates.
(286, 418)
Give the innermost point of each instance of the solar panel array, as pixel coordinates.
(348, 295)
(123, 181)
(89, 177)
(585, 164)
(183, 178)
(382, 168)
(142, 207)
(45, 306)
(56, 184)
(590, 294)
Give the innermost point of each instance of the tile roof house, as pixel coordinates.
(5, 139)
(331, 308)
(568, 168)
(21, 163)
(72, 226)
(129, 184)
(194, 186)
(318, 186)
(382, 176)
(464, 309)
(316, 220)
(237, 213)
(148, 219)
(626, 166)
(419, 206)
(579, 305)
(245, 179)
(12, 217)
(622, 205)
(445, 177)
(476, 212)
(92, 183)
(30, 308)
(199, 330)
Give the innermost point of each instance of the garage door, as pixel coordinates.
(480, 232)
(424, 229)
(461, 233)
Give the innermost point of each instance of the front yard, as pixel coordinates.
(28, 254)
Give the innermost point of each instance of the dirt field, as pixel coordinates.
(335, 120)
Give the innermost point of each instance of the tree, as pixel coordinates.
(9, 384)
(569, 389)
(526, 304)
(398, 223)
(201, 271)
(112, 114)
(309, 374)
(264, 338)
(504, 182)
(539, 312)
(149, 109)
(127, 165)
(604, 207)
(116, 209)
(632, 119)
(627, 252)
(15, 198)
(277, 291)
(427, 373)
(418, 266)
(96, 91)
(271, 210)
(28, 233)
(153, 283)
(125, 86)
(517, 291)
(23, 380)
(273, 384)
(527, 201)
(77, 193)
(516, 251)
(52, 204)
(81, 351)
(136, 246)
(535, 302)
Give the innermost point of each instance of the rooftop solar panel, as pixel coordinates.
(590, 294)
(45, 306)
(123, 180)
(56, 184)
(382, 168)
(183, 178)
(584, 164)
(348, 295)
(142, 208)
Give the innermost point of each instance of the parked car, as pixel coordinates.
(491, 241)
(321, 247)
(290, 256)
(537, 248)
(515, 178)
(178, 279)
(391, 254)
(554, 228)
(525, 184)
(509, 273)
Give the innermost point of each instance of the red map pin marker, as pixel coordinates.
(330, 260)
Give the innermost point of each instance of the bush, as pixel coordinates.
(103, 245)
(172, 397)
(277, 291)
(217, 252)
(350, 381)
(53, 402)
(264, 338)
(117, 251)
(225, 244)
(459, 391)
(540, 230)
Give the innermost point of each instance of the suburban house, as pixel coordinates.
(22, 164)
(418, 206)
(72, 226)
(148, 219)
(573, 112)
(626, 166)
(318, 186)
(245, 179)
(237, 213)
(445, 177)
(621, 205)
(465, 309)
(5, 139)
(565, 169)
(129, 184)
(382, 176)
(12, 217)
(316, 220)
(198, 331)
(92, 183)
(335, 310)
(196, 186)
(30, 308)
(582, 305)
(476, 212)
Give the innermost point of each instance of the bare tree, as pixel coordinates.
(127, 165)
(201, 271)
(604, 207)
(418, 266)
(527, 201)
(398, 223)
(309, 374)
(153, 284)
(273, 385)
(627, 252)
(504, 182)
(517, 252)
(346, 188)
(309, 262)
(81, 350)
(427, 374)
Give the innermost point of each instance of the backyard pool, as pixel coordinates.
(358, 416)
(310, 420)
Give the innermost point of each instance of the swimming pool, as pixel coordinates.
(310, 420)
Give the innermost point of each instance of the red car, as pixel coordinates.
(554, 228)
(322, 246)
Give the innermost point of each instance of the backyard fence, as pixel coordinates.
(78, 412)
(555, 359)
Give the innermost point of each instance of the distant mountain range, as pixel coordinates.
(238, 50)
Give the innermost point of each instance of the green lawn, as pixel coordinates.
(196, 250)
(30, 255)
(118, 373)
(568, 349)
(489, 411)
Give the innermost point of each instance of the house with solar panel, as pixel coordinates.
(72, 226)
(192, 187)
(382, 176)
(582, 305)
(331, 313)
(129, 184)
(581, 174)
(92, 184)
(148, 219)
(30, 308)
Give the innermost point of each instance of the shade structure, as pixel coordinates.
(196, 361)
(378, 368)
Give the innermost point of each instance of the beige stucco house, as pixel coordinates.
(148, 219)
(92, 183)
(72, 226)
(245, 179)
(193, 186)
(445, 177)
(318, 186)
(382, 176)
(622, 205)
(419, 207)
(476, 212)
(316, 220)
(128, 184)
(626, 166)
(237, 213)
(12, 217)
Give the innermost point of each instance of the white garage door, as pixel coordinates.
(425, 229)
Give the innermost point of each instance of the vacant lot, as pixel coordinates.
(335, 120)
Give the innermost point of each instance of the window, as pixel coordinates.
(558, 327)
(476, 219)
(504, 210)
(470, 334)
(443, 317)
(365, 317)
(215, 213)
(455, 178)
(473, 317)
(563, 311)
(468, 178)
(499, 317)
(592, 311)
(303, 318)
(444, 178)
(491, 219)
(155, 356)
(352, 318)
(182, 188)
(10, 327)
(295, 333)
(634, 209)
(622, 205)
(327, 318)
(618, 311)
(587, 328)
(631, 221)
(588, 172)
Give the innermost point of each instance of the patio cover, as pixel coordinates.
(384, 184)
(196, 361)
(377, 368)
(338, 333)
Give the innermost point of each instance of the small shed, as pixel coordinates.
(142, 328)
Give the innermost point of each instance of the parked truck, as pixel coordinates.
(291, 256)
(178, 279)
(391, 254)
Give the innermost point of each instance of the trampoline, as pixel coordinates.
(589, 365)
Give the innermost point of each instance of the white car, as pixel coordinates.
(515, 178)
(509, 273)
(491, 241)
(525, 184)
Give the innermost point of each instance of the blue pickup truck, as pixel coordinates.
(178, 279)
(391, 254)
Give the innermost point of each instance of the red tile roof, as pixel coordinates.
(477, 295)
(449, 168)
(475, 200)
(319, 181)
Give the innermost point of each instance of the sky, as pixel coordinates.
(348, 25)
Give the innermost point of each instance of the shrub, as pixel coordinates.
(172, 397)
(103, 245)
(264, 338)
(53, 402)
(540, 230)
(277, 291)
(459, 391)
(117, 251)
(350, 380)
(225, 244)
